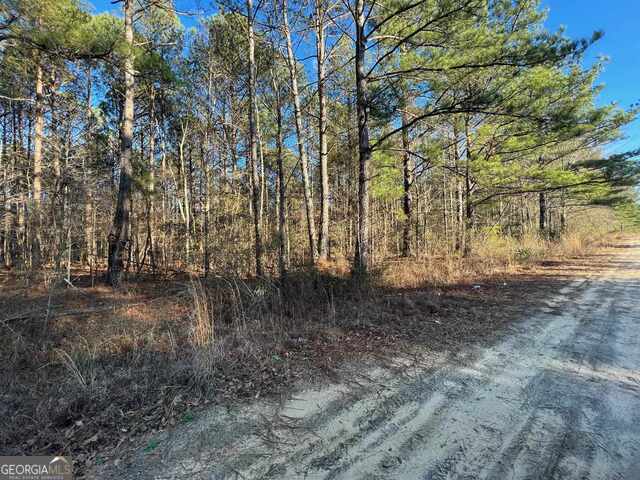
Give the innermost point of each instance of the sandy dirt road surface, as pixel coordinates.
(556, 398)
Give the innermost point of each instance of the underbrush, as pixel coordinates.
(89, 367)
(491, 253)
(86, 370)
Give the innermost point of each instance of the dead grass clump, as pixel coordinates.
(491, 253)
(493, 248)
(335, 266)
(501, 251)
(252, 319)
(80, 365)
(434, 271)
(530, 248)
(202, 328)
(574, 244)
(202, 335)
(577, 243)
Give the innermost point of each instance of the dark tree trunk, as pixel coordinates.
(119, 235)
(407, 174)
(361, 258)
(563, 215)
(542, 201)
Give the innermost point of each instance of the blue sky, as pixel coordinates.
(621, 44)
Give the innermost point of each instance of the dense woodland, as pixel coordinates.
(271, 136)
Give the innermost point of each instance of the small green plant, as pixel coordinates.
(187, 417)
(523, 254)
(151, 446)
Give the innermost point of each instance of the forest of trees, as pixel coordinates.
(273, 135)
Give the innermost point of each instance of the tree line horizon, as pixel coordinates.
(283, 133)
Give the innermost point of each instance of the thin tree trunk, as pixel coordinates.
(88, 194)
(57, 194)
(21, 185)
(468, 228)
(119, 235)
(460, 224)
(152, 179)
(302, 152)
(445, 216)
(205, 190)
(37, 169)
(563, 213)
(163, 179)
(185, 194)
(9, 215)
(460, 216)
(323, 240)
(283, 254)
(66, 207)
(263, 191)
(253, 145)
(4, 165)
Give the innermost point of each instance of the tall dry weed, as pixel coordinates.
(202, 334)
(81, 363)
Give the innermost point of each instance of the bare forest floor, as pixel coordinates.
(94, 373)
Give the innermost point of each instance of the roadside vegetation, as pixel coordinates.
(95, 372)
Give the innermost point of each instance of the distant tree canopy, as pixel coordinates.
(272, 135)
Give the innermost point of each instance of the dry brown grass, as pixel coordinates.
(337, 267)
(412, 273)
(491, 254)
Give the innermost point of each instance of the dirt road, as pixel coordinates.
(557, 398)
